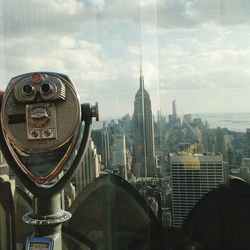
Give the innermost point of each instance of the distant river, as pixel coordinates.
(233, 121)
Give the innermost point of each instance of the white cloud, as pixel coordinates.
(98, 5)
(224, 12)
(195, 49)
(42, 18)
(67, 42)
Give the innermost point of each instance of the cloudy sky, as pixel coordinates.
(194, 51)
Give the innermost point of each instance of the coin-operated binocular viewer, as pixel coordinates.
(43, 136)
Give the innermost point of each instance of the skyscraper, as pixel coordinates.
(88, 169)
(174, 110)
(119, 154)
(145, 160)
(174, 121)
(105, 147)
(102, 142)
(220, 141)
(248, 142)
(192, 177)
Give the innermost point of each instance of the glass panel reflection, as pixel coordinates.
(113, 215)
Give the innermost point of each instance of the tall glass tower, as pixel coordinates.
(192, 177)
(144, 158)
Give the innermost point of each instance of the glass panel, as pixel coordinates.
(172, 82)
(3, 228)
(110, 214)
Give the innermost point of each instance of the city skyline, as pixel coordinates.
(238, 122)
(191, 50)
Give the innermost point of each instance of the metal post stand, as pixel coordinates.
(48, 218)
(36, 103)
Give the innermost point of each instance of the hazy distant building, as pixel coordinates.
(102, 142)
(160, 126)
(220, 142)
(144, 157)
(174, 121)
(119, 154)
(126, 124)
(187, 119)
(184, 146)
(192, 177)
(244, 170)
(96, 136)
(129, 160)
(119, 150)
(248, 142)
(246, 162)
(197, 122)
(105, 147)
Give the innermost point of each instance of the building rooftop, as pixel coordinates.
(195, 158)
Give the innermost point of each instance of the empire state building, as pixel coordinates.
(144, 159)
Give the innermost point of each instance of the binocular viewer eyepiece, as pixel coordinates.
(41, 121)
(40, 86)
